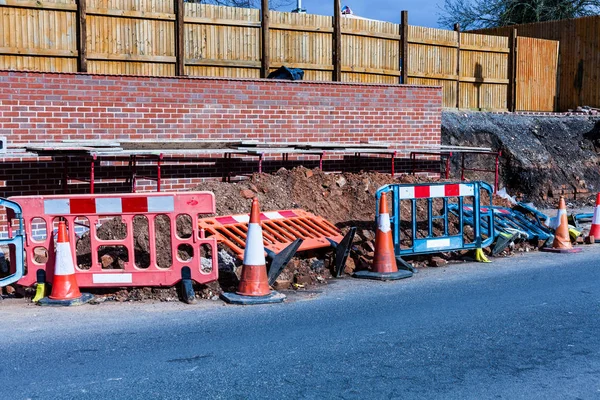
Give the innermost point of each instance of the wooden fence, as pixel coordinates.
(170, 38)
(579, 60)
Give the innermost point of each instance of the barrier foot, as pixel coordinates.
(383, 276)
(551, 250)
(84, 298)
(187, 286)
(342, 251)
(40, 290)
(480, 256)
(234, 298)
(403, 265)
(280, 260)
(504, 239)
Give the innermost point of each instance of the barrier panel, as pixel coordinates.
(422, 223)
(280, 228)
(159, 216)
(14, 242)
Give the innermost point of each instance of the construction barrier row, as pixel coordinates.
(411, 220)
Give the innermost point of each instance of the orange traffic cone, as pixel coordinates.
(254, 283)
(65, 291)
(595, 229)
(384, 262)
(562, 240)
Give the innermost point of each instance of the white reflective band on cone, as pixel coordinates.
(254, 254)
(559, 214)
(384, 223)
(596, 219)
(64, 260)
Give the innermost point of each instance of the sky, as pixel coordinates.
(422, 13)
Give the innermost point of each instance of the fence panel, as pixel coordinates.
(222, 41)
(302, 41)
(38, 36)
(536, 81)
(371, 51)
(130, 37)
(483, 72)
(579, 58)
(432, 60)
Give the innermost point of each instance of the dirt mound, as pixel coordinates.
(338, 197)
(543, 157)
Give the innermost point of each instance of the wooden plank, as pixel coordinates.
(483, 80)
(512, 72)
(221, 22)
(485, 48)
(81, 36)
(449, 77)
(43, 5)
(303, 66)
(37, 52)
(223, 63)
(404, 45)
(432, 42)
(371, 34)
(131, 57)
(300, 28)
(179, 38)
(131, 14)
(337, 40)
(374, 71)
(457, 29)
(265, 39)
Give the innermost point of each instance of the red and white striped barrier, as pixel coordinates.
(96, 209)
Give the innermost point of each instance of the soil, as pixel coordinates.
(542, 157)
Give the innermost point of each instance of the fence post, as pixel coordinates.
(265, 37)
(179, 38)
(81, 37)
(404, 44)
(337, 41)
(512, 72)
(457, 30)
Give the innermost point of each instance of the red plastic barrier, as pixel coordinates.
(98, 209)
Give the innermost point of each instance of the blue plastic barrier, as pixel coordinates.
(15, 242)
(445, 195)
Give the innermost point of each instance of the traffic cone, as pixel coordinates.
(562, 239)
(254, 283)
(65, 291)
(384, 265)
(595, 229)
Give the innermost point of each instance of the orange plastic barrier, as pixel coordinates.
(280, 228)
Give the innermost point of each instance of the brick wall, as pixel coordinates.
(52, 107)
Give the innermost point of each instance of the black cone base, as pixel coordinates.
(85, 297)
(389, 276)
(234, 298)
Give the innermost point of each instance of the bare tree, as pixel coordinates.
(473, 14)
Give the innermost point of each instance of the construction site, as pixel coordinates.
(146, 162)
(227, 202)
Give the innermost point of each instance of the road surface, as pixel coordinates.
(526, 327)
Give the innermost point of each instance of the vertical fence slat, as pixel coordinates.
(179, 38)
(265, 39)
(337, 40)
(404, 53)
(81, 36)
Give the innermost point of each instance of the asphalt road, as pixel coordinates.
(527, 327)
